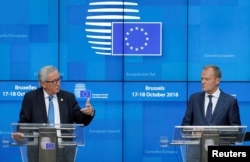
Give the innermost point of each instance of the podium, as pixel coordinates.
(48, 142)
(199, 138)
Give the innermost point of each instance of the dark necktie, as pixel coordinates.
(51, 110)
(209, 109)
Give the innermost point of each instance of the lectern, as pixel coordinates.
(203, 136)
(44, 142)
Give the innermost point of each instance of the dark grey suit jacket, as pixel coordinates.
(33, 108)
(225, 113)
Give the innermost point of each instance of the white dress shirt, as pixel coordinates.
(215, 98)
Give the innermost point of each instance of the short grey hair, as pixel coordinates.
(45, 71)
(216, 69)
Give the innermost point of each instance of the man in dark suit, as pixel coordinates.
(224, 107)
(35, 107)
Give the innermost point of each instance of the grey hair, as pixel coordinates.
(44, 72)
(216, 69)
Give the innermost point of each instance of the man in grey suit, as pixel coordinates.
(224, 107)
(35, 108)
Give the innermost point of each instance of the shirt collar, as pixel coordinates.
(215, 94)
(46, 94)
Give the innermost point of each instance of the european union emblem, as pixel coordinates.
(50, 146)
(136, 38)
(85, 94)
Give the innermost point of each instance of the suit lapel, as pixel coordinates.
(61, 104)
(219, 105)
(41, 104)
(201, 105)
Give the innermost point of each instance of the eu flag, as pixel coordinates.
(85, 94)
(136, 38)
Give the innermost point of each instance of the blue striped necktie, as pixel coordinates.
(51, 116)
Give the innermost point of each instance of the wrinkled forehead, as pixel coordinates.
(53, 75)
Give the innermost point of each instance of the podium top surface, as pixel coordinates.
(40, 125)
(213, 127)
(67, 134)
(193, 134)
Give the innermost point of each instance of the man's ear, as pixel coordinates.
(42, 84)
(218, 81)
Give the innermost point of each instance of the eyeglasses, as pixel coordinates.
(54, 81)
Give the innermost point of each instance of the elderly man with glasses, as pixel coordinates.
(35, 109)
